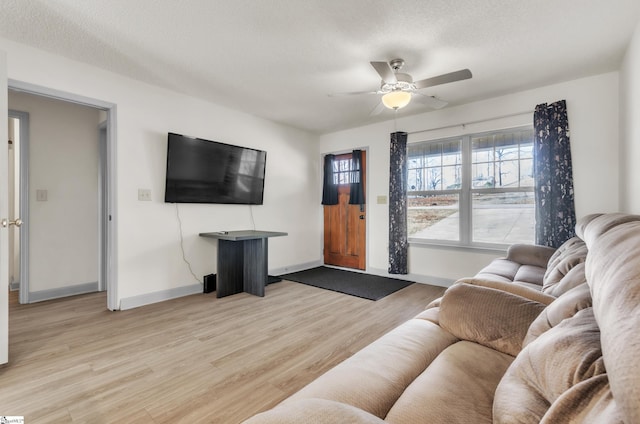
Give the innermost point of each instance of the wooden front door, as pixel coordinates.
(345, 227)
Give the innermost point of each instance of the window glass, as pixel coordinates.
(498, 207)
(432, 169)
(434, 216)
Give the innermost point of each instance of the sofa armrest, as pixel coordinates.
(490, 317)
(530, 254)
(317, 411)
(512, 288)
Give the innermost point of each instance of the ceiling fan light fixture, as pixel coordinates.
(396, 99)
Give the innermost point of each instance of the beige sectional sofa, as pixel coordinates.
(494, 350)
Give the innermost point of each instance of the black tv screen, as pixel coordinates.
(205, 171)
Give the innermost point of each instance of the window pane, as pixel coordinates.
(507, 173)
(414, 162)
(526, 150)
(483, 175)
(415, 180)
(434, 178)
(451, 177)
(504, 218)
(434, 217)
(526, 173)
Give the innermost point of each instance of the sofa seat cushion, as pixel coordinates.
(375, 377)
(457, 387)
(530, 274)
(507, 271)
(500, 270)
(314, 411)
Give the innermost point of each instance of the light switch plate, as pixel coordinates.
(382, 200)
(41, 195)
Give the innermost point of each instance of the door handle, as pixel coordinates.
(361, 216)
(5, 222)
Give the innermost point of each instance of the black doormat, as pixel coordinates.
(367, 286)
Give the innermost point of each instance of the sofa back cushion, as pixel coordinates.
(579, 362)
(553, 378)
(562, 308)
(558, 277)
(613, 273)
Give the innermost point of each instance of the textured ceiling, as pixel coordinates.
(279, 59)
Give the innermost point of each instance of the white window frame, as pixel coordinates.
(466, 192)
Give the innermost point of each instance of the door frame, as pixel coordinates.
(366, 205)
(23, 119)
(107, 191)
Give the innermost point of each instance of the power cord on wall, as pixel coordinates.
(184, 257)
(253, 222)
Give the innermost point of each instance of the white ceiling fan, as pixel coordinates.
(398, 89)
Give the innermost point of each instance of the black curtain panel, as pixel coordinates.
(356, 188)
(330, 186)
(554, 197)
(398, 243)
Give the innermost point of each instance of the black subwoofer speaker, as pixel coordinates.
(209, 283)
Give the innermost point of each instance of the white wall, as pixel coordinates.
(63, 160)
(592, 105)
(630, 127)
(149, 256)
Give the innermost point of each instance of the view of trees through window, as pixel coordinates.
(475, 189)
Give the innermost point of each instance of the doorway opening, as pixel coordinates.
(345, 222)
(27, 194)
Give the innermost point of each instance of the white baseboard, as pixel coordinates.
(418, 278)
(42, 295)
(295, 268)
(159, 296)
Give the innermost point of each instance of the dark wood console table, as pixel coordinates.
(242, 261)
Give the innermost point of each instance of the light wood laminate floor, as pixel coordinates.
(197, 359)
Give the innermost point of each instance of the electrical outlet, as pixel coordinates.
(382, 200)
(144, 194)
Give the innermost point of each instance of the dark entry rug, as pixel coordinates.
(372, 287)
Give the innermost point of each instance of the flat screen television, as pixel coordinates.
(205, 171)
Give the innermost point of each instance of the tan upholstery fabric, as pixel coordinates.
(499, 270)
(529, 254)
(375, 377)
(564, 307)
(573, 278)
(315, 411)
(490, 317)
(572, 253)
(431, 314)
(525, 264)
(530, 274)
(508, 287)
(613, 273)
(593, 226)
(458, 385)
(560, 359)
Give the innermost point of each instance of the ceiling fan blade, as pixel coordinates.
(385, 72)
(430, 101)
(351, 93)
(444, 79)
(377, 110)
